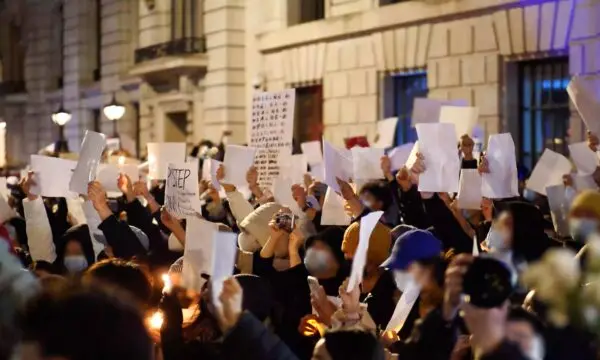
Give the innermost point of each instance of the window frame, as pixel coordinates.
(398, 84)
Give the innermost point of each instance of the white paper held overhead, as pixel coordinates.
(312, 150)
(160, 155)
(52, 175)
(333, 212)
(367, 225)
(336, 166)
(386, 133)
(366, 163)
(181, 190)
(428, 110)
(237, 162)
(464, 118)
(586, 161)
(437, 143)
(399, 155)
(469, 192)
(198, 251)
(223, 260)
(548, 171)
(502, 180)
(92, 146)
(582, 94)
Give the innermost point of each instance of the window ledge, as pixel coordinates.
(388, 16)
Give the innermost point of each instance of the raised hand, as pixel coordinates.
(26, 183)
(228, 314)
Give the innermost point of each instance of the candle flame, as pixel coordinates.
(156, 320)
(167, 285)
(121, 160)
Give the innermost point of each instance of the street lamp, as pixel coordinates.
(114, 112)
(61, 118)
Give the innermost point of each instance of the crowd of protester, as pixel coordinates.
(70, 290)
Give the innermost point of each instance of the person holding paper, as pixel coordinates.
(584, 219)
(378, 285)
(466, 146)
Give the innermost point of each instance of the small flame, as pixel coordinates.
(167, 285)
(121, 160)
(156, 320)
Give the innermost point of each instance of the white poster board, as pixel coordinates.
(271, 131)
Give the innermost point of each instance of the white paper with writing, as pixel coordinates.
(502, 180)
(333, 210)
(312, 150)
(198, 251)
(181, 190)
(586, 161)
(223, 261)
(469, 192)
(427, 110)
(51, 175)
(271, 131)
(237, 162)
(386, 133)
(548, 171)
(160, 155)
(437, 143)
(92, 146)
(464, 118)
(367, 225)
(336, 166)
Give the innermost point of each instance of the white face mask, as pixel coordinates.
(496, 240)
(403, 279)
(75, 263)
(537, 351)
(582, 228)
(316, 261)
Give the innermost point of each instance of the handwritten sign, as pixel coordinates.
(181, 190)
(272, 131)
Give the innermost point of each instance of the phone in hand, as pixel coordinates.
(286, 222)
(313, 284)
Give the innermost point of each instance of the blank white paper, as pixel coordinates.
(582, 93)
(223, 261)
(469, 192)
(502, 180)
(437, 143)
(108, 175)
(586, 161)
(92, 146)
(333, 210)
(548, 171)
(386, 131)
(399, 155)
(237, 162)
(336, 166)
(367, 225)
(160, 155)
(366, 163)
(312, 150)
(52, 176)
(427, 110)
(464, 118)
(198, 251)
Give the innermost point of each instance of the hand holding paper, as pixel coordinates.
(238, 159)
(87, 166)
(437, 143)
(499, 177)
(359, 261)
(548, 171)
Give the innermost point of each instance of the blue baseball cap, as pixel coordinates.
(411, 246)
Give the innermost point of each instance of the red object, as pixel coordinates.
(360, 141)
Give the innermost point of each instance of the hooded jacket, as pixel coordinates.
(80, 234)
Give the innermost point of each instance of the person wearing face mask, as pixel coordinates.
(378, 289)
(417, 264)
(74, 251)
(584, 216)
(526, 330)
(324, 260)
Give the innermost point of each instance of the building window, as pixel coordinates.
(97, 120)
(543, 108)
(309, 108)
(400, 93)
(389, 2)
(183, 19)
(98, 59)
(303, 11)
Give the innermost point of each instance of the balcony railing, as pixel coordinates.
(12, 87)
(184, 46)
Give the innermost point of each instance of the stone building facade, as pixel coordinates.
(187, 68)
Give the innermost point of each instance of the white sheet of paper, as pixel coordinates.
(160, 155)
(367, 225)
(386, 132)
(92, 146)
(206, 170)
(213, 167)
(333, 210)
(399, 155)
(502, 181)
(113, 144)
(464, 118)
(584, 182)
(317, 171)
(366, 163)
(223, 260)
(4, 187)
(293, 167)
(336, 166)
(403, 307)
(108, 174)
(238, 159)
(437, 143)
(282, 192)
(6, 212)
(93, 221)
(412, 157)
(198, 251)
(559, 208)
(181, 190)
(427, 110)
(52, 175)
(548, 171)
(469, 192)
(586, 161)
(582, 93)
(312, 150)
